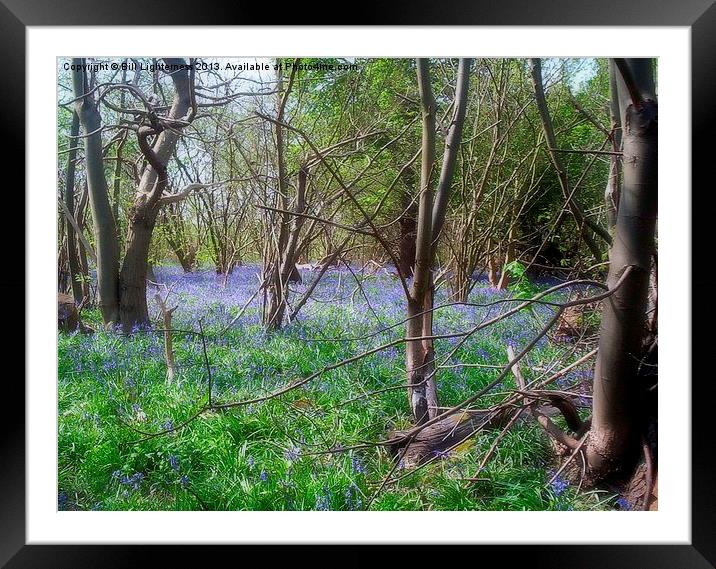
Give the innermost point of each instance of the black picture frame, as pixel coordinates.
(699, 15)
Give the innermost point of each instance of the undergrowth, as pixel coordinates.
(273, 455)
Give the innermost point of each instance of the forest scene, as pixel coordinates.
(357, 284)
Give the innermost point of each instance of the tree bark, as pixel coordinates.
(281, 267)
(72, 256)
(611, 193)
(133, 278)
(82, 251)
(143, 214)
(419, 353)
(408, 226)
(103, 221)
(614, 436)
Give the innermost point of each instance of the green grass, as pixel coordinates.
(112, 386)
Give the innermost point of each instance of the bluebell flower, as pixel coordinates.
(323, 501)
(174, 462)
(353, 497)
(559, 485)
(356, 465)
(292, 454)
(263, 476)
(623, 503)
(135, 481)
(61, 500)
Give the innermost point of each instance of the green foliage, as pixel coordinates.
(520, 284)
(112, 389)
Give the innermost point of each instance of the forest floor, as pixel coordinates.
(271, 455)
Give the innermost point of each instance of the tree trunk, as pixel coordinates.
(408, 227)
(103, 221)
(419, 353)
(117, 183)
(82, 252)
(611, 193)
(72, 256)
(133, 278)
(504, 281)
(417, 357)
(614, 436)
(460, 282)
(491, 267)
(117, 178)
(143, 215)
(406, 248)
(168, 347)
(287, 271)
(277, 278)
(187, 261)
(63, 273)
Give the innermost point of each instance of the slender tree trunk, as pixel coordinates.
(504, 281)
(72, 256)
(611, 193)
(460, 281)
(117, 182)
(287, 270)
(63, 272)
(491, 266)
(419, 353)
(281, 267)
(82, 252)
(117, 178)
(103, 221)
(417, 356)
(408, 226)
(614, 435)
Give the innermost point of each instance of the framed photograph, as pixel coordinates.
(393, 282)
